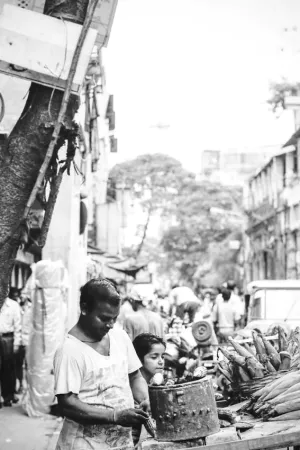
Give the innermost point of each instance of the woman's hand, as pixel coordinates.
(130, 417)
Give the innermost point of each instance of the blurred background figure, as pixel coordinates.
(10, 340)
(20, 356)
(182, 299)
(225, 317)
(142, 320)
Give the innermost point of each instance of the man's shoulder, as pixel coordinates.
(69, 348)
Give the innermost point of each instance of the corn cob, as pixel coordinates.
(285, 361)
(243, 374)
(288, 416)
(284, 383)
(272, 353)
(150, 428)
(284, 397)
(239, 360)
(240, 349)
(250, 349)
(262, 393)
(284, 408)
(282, 340)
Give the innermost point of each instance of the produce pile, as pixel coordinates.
(193, 374)
(247, 363)
(279, 400)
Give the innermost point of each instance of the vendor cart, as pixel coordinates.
(264, 435)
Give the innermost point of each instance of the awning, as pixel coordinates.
(132, 271)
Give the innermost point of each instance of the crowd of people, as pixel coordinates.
(103, 368)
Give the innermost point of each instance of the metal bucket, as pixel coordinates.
(184, 411)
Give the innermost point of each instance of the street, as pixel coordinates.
(19, 431)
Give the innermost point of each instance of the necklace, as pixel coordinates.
(89, 342)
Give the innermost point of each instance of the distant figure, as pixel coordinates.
(26, 321)
(225, 317)
(10, 340)
(142, 320)
(183, 300)
(125, 310)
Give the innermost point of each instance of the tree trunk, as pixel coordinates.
(140, 247)
(23, 155)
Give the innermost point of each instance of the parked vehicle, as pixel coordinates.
(273, 302)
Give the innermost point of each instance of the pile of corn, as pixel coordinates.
(247, 363)
(279, 400)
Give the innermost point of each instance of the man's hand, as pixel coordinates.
(16, 348)
(130, 417)
(145, 405)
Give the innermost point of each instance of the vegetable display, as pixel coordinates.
(246, 363)
(279, 400)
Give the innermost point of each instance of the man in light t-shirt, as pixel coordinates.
(97, 376)
(225, 316)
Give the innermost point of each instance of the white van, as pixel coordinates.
(274, 302)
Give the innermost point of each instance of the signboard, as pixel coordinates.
(40, 48)
(102, 22)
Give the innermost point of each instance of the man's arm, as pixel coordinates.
(139, 389)
(73, 408)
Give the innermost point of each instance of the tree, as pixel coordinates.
(155, 181)
(22, 156)
(280, 91)
(188, 242)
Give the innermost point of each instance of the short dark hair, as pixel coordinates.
(98, 290)
(144, 342)
(231, 285)
(226, 294)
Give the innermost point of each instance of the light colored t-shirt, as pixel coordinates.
(225, 314)
(98, 380)
(182, 294)
(143, 321)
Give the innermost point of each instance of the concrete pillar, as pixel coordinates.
(291, 256)
(289, 167)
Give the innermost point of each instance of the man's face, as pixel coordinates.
(101, 319)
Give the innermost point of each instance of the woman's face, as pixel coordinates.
(154, 360)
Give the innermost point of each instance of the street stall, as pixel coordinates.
(262, 412)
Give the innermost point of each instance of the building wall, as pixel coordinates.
(65, 243)
(272, 202)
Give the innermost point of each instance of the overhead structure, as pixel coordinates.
(43, 53)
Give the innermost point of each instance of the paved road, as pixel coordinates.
(20, 432)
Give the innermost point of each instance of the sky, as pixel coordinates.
(203, 68)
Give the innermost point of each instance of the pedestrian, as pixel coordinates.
(142, 320)
(183, 300)
(97, 376)
(225, 317)
(125, 310)
(26, 324)
(10, 340)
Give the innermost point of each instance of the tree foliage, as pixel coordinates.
(200, 215)
(206, 213)
(279, 91)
